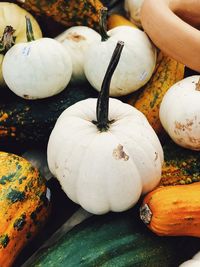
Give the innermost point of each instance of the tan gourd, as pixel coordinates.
(171, 33)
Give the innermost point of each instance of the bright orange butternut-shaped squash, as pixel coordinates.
(173, 210)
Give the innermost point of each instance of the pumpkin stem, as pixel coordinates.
(103, 23)
(7, 40)
(145, 214)
(198, 85)
(103, 99)
(29, 30)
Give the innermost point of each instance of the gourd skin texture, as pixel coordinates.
(79, 12)
(136, 64)
(13, 15)
(104, 171)
(24, 207)
(77, 40)
(174, 210)
(168, 71)
(37, 69)
(182, 123)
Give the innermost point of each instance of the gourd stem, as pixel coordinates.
(29, 30)
(103, 23)
(103, 99)
(7, 40)
(198, 85)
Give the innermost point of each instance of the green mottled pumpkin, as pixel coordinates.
(118, 239)
(24, 206)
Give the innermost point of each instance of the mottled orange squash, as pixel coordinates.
(24, 205)
(68, 13)
(173, 210)
(168, 71)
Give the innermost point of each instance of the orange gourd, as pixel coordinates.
(116, 20)
(173, 210)
(24, 205)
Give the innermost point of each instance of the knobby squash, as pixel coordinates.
(181, 166)
(173, 210)
(168, 71)
(24, 205)
(68, 13)
(114, 240)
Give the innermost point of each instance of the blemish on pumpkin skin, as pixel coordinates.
(183, 126)
(75, 37)
(156, 157)
(118, 153)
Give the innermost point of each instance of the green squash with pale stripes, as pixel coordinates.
(115, 240)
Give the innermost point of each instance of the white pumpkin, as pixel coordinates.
(136, 64)
(104, 165)
(180, 112)
(77, 40)
(133, 8)
(194, 262)
(37, 69)
(13, 15)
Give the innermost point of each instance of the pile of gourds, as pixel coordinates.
(107, 102)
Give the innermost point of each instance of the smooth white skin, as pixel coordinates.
(180, 113)
(37, 69)
(133, 8)
(77, 40)
(13, 15)
(190, 263)
(84, 160)
(136, 64)
(194, 262)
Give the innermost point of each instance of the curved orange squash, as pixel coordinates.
(24, 206)
(170, 33)
(173, 210)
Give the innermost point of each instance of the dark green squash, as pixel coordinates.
(114, 240)
(27, 121)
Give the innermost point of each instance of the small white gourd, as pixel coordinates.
(136, 64)
(77, 40)
(37, 69)
(105, 160)
(180, 112)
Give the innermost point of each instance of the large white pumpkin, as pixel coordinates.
(180, 112)
(37, 69)
(77, 40)
(136, 64)
(104, 167)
